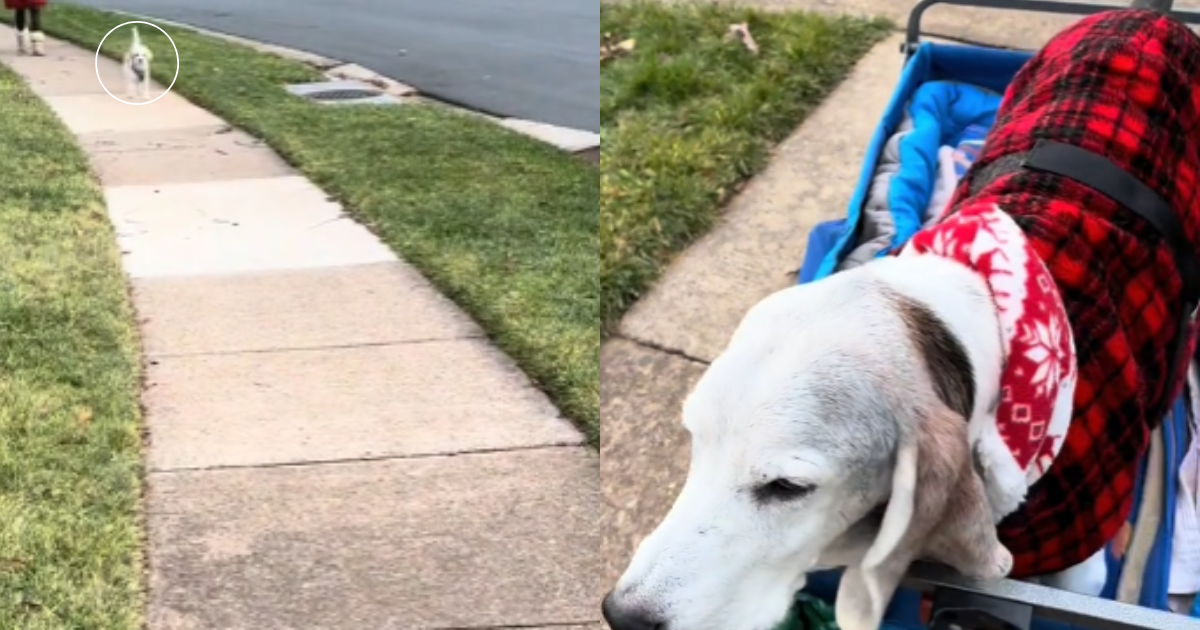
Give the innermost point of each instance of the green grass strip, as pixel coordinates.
(70, 447)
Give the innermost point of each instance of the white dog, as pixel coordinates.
(815, 446)
(137, 68)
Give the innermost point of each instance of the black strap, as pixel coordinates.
(1097, 172)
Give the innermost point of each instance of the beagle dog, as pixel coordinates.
(982, 397)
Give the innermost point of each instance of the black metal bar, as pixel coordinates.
(953, 608)
(1052, 604)
(913, 31)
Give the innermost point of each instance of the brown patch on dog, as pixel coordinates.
(965, 537)
(944, 354)
(938, 509)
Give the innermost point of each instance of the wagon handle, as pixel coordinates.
(913, 32)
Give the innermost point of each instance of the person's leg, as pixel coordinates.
(19, 22)
(37, 37)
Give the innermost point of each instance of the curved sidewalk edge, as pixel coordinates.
(575, 141)
(331, 442)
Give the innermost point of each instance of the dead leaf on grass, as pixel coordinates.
(12, 565)
(610, 50)
(85, 418)
(741, 32)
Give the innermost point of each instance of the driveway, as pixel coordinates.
(533, 59)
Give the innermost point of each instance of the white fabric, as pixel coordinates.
(1145, 529)
(945, 180)
(1185, 546)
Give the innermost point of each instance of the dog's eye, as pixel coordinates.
(782, 490)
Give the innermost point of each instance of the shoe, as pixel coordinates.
(22, 42)
(39, 43)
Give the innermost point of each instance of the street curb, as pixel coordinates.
(574, 141)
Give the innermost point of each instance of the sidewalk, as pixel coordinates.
(331, 443)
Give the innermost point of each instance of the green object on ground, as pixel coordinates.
(502, 224)
(70, 441)
(809, 613)
(688, 114)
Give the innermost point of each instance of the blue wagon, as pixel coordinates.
(947, 97)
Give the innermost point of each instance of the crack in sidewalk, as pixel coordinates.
(521, 626)
(650, 345)
(369, 459)
(156, 356)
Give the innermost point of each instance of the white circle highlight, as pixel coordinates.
(101, 81)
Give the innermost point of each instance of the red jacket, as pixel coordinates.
(24, 4)
(1125, 85)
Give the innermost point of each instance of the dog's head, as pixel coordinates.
(139, 60)
(138, 57)
(819, 439)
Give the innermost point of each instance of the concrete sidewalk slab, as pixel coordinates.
(363, 402)
(315, 308)
(94, 113)
(197, 154)
(220, 136)
(759, 242)
(500, 540)
(643, 446)
(65, 72)
(248, 225)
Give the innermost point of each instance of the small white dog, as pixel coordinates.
(137, 68)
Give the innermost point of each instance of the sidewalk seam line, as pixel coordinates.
(317, 348)
(650, 345)
(520, 626)
(422, 284)
(367, 460)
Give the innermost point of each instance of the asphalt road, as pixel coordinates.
(533, 59)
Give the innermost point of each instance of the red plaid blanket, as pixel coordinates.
(1126, 85)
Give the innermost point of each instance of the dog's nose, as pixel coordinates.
(620, 617)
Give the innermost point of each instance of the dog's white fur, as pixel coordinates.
(818, 387)
(136, 65)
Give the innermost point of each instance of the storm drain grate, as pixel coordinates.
(343, 93)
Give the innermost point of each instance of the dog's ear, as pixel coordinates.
(931, 458)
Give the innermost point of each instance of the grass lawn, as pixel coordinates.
(70, 445)
(688, 114)
(504, 225)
